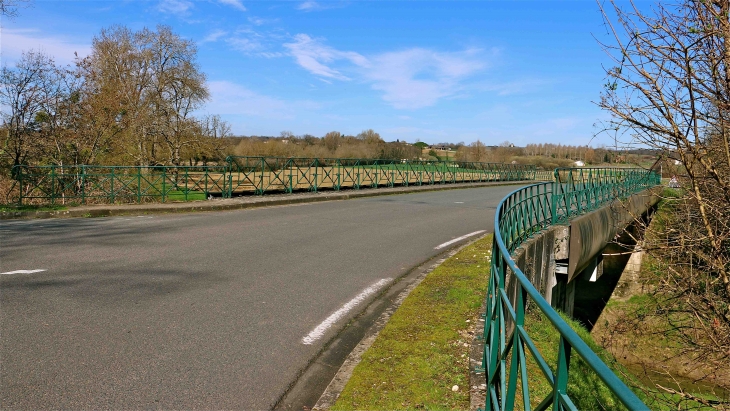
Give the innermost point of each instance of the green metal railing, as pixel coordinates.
(123, 184)
(544, 175)
(578, 190)
(262, 174)
(241, 175)
(519, 216)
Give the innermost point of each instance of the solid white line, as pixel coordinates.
(22, 272)
(318, 332)
(448, 243)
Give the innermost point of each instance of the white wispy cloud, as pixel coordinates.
(245, 45)
(258, 21)
(214, 36)
(15, 41)
(408, 79)
(251, 42)
(417, 78)
(234, 3)
(312, 55)
(177, 7)
(312, 5)
(229, 98)
(309, 5)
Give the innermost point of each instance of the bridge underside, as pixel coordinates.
(577, 267)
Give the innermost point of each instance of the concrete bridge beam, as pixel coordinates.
(567, 263)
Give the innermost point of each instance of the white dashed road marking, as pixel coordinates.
(318, 332)
(448, 243)
(22, 272)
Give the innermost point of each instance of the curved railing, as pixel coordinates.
(519, 216)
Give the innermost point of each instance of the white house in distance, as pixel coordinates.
(579, 163)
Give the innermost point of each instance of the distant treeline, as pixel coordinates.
(367, 144)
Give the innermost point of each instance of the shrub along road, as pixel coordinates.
(205, 310)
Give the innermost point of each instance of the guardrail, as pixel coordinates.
(519, 216)
(544, 175)
(122, 184)
(242, 175)
(579, 190)
(261, 174)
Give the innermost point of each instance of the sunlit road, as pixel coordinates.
(203, 310)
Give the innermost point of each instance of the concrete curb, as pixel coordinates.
(236, 203)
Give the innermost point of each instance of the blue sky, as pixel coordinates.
(435, 71)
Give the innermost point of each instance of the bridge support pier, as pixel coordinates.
(563, 295)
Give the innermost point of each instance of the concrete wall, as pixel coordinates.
(567, 263)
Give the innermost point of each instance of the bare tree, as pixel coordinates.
(478, 151)
(154, 84)
(332, 140)
(669, 89)
(179, 89)
(9, 8)
(370, 137)
(24, 93)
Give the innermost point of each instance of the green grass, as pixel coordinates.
(585, 388)
(424, 167)
(180, 196)
(421, 354)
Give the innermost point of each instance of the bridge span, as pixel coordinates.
(549, 246)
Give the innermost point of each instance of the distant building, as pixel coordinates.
(579, 163)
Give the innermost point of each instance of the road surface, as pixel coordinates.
(204, 310)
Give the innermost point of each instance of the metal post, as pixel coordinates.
(53, 184)
(261, 178)
(139, 185)
(561, 374)
(187, 179)
(338, 176)
(112, 194)
(316, 169)
(83, 184)
(230, 184)
(20, 185)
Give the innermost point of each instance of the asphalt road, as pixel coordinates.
(203, 310)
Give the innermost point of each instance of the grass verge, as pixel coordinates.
(6, 208)
(423, 351)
